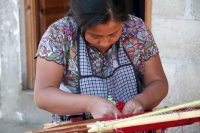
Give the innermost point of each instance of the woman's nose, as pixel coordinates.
(104, 42)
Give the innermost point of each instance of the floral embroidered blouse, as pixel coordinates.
(59, 44)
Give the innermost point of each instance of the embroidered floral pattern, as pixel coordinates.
(103, 64)
(96, 60)
(59, 44)
(138, 42)
(110, 61)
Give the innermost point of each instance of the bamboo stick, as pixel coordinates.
(145, 120)
(103, 126)
(50, 125)
(96, 126)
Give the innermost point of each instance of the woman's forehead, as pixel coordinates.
(103, 29)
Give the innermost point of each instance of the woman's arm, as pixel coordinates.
(46, 91)
(155, 84)
(155, 88)
(48, 97)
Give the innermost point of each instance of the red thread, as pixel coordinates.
(120, 105)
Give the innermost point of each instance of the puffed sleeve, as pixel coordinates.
(52, 45)
(150, 47)
(138, 42)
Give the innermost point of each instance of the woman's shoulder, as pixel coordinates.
(132, 17)
(57, 40)
(65, 23)
(133, 21)
(65, 26)
(135, 27)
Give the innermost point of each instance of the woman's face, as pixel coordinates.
(102, 36)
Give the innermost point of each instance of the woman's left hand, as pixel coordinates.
(132, 107)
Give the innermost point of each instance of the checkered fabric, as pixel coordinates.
(121, 85)
(84, 63)
(123, 58)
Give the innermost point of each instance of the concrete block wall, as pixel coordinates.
(176, 28)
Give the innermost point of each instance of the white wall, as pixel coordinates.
(16, 104)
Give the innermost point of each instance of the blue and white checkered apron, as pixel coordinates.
(121, 85)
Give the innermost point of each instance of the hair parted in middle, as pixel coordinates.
(88, 13)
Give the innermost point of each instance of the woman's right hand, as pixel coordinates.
(100, 107)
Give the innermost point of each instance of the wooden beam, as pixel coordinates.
(31, 28)
(148, 13)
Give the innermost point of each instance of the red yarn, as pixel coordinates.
(120, 105)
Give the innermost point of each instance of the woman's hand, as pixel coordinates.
(132, 107)
(100, 107)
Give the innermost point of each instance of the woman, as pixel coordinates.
(98, 51)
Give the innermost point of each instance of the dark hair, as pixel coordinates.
(88, 13)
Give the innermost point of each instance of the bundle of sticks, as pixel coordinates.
(180, 115)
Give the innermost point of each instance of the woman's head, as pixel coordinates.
(100, 21)
(89, 13)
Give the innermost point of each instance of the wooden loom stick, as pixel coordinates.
(103, 126)
(50, 125)
(142, 123)
(76, 125)
(145, 121)
(69, 126)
